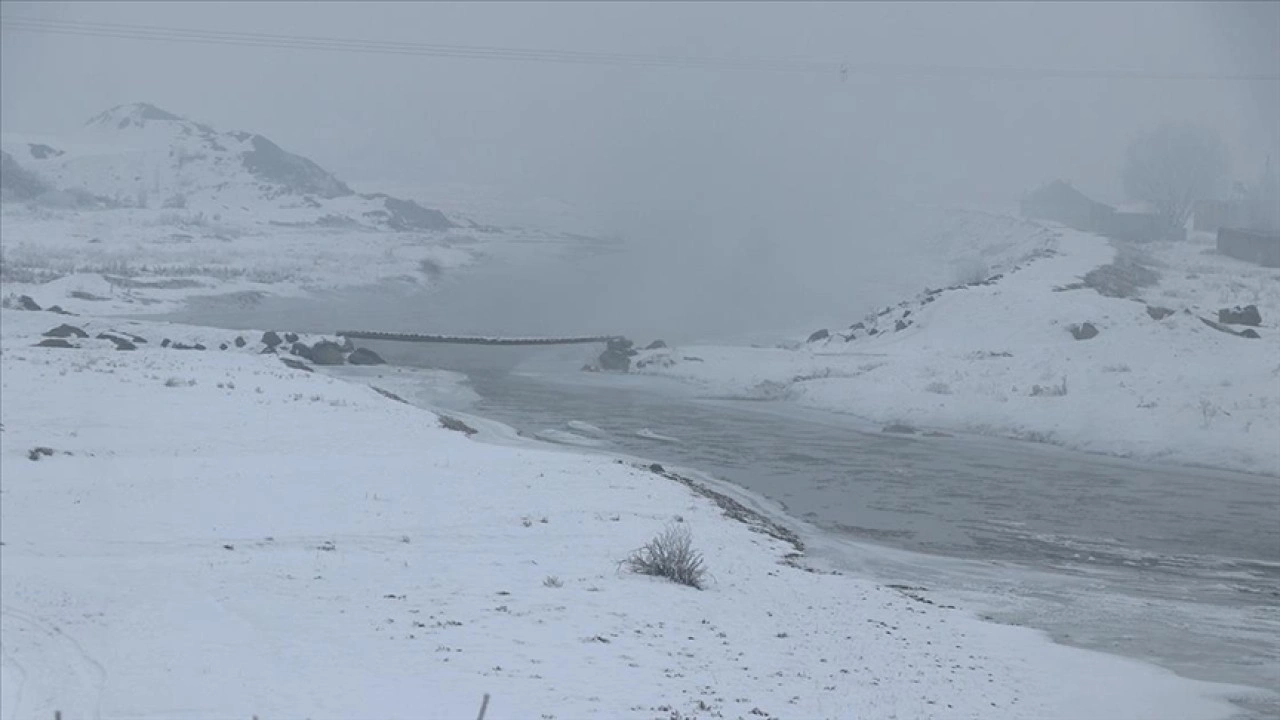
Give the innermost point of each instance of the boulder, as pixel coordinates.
(57, 310)
(301, 350)
(268, 351)
(239, 341)
(616, 360)
(271, 339)
(55, 342)
(291, 337)
(365, 356)
(655, 345)
(900, 325)
(817, 335)
(26, 303)
(327, 352)
(1158, 313)
(223, 346)
(164, 343)
(1083, 331)
(296, 364)
(64, 331)
(120, 343)
(621, 346)
(1247, 315)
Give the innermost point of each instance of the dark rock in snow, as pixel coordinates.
(657, 468)
(55, 343)
(184, 346)
(223, 346)
(239, 341)
(296, 364)
(57, 310)
(900, 325)
(817, 335)
(164, 343)
(616, 360)
(291, 337)
(268, 351)
(364, 356)
(271, 339)
(327, 352)
(656, 345)
(120, 343)
(1083, 331)
(873, 331)
(1158, 313)
(38, 452)
(1250, 333)
(64, 330)
(858, 326)
(301, 350)
(1247, 315)
(900, 429)
(26, 303)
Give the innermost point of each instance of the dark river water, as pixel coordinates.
(1178, 566)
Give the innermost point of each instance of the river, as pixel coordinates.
(1174, 565)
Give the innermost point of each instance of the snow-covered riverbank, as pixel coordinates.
(999, 358)
(212, 533)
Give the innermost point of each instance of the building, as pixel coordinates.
(1060, 202)
(1256, 246)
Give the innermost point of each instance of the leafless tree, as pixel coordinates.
(1174, 166)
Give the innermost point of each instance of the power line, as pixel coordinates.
(510, 54)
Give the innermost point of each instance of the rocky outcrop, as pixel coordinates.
(65, 331)
(1158, 313)
(817, 335)
(1247, 315)
(327, 352)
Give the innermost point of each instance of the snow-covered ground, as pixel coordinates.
(998, 358)
(213, 534)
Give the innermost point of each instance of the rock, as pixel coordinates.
(55, 342)
(453, 423)
(184, 346)
(296, 364)
(291, 337)
(1246, 333)
(900, 325)
(1247, 315)
(130, 336)
(617, 360)
(873, 331)
(1158, 313)
(82, 295)
(57, 310)
(900, 429)
(121, 343)
(239, 342)
(655, 345)
(271, 339)
(1083, 331)
(26, 303)
(365, 356)
(268, 351)
(64, 331)
(657, 468)
(38, 452)
(301, 350)
(223, 346)
(817, 335)
(858, 326)
(327, 352)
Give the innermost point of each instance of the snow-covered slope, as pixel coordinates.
(143, 157)
(998, 356)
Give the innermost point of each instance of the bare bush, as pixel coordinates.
(670, 555)
(1058, 390)
(938, 388)
(552, 581)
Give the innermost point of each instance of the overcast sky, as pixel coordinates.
(605, 136)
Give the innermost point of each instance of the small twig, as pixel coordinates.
(484, 705)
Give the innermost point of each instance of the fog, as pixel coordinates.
(751, 191)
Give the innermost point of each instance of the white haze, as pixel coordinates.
(750, 191)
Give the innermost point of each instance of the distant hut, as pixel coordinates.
(1060, 202)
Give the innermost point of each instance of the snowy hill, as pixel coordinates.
(141, 156)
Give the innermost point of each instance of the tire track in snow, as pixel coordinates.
(54, 674)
